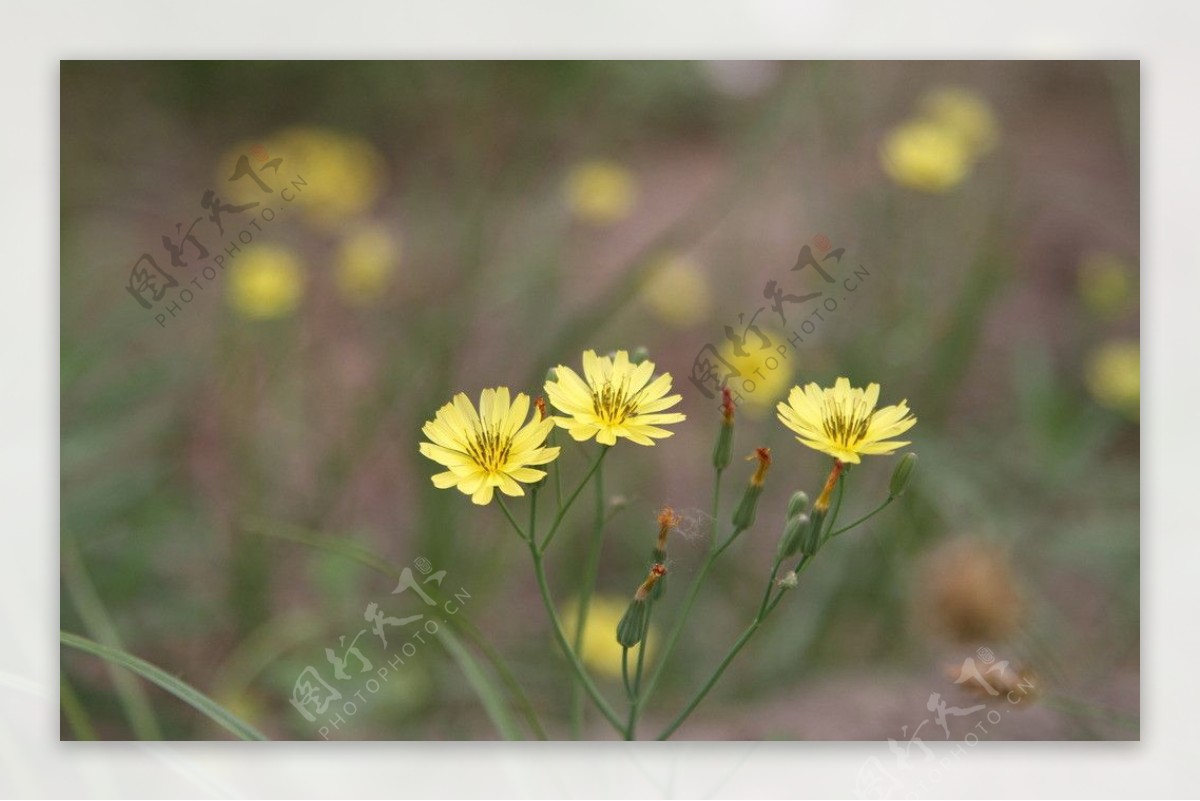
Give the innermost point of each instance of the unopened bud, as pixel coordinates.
(552, 374)
(632, 627)
(902, 475)
(797, 504)
(743, 517)
(721, 451)
(793, 533)
(639, 355)
(810, 537)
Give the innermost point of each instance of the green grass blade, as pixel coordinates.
(181, 690)
(490, 695)
(97, 623)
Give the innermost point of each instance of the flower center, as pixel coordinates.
(488, 449)
(614, 403)
(846, 423)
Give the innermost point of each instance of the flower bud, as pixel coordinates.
(721, 452)
(632, 627)
(810, 538)
(902, 475)
(639, 355)
(793, 533)
(634, 622)
(552, 374)
(743, 517)
(797, 504)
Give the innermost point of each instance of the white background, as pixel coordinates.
(33, 37)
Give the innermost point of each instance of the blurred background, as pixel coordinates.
(240, 474)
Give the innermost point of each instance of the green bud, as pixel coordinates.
(721, 453)
(743, 518)
(797, 504)
(639, 355)
(810, 540)
(552, 374)
(793, 534)
(902, 475)
(632, 627)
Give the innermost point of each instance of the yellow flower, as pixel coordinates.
(601, 191)
(265, 282)
(494, 447)
(678, 292)
(1104, 284)
(925, 155)
(765, 375)
(600, 651)
(365, 262)
(617, 400)
(342, 174)
(843, 421)
(964, 112)
(1112, 375)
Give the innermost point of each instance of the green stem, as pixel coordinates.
(625, 676)
(764, 611)
(862, 519)
(572, 658)
(587, 584)
(562, 512)
(685, 611)
(635, 698)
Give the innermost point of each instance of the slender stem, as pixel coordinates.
(516, 526)
(625, 676)
(562, 512)
(635, 698)
(587, 583)
(572, 658)
(716, 506)
(708, 685)
(533, 495)
(689, 601)
(763, 611)
(693, 590)
(864, 518)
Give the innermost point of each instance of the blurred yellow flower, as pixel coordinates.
(600, 651)
(1113, 376)
(494, 447)
(619, 399)
(926, 156)
(342, 174)
(764, 374)
(601, 191)
(365, 262)
(265, 282)
(1105, 284)
(843, 422)
(965, 113)
(678, 292)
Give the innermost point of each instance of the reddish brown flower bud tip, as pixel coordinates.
(763, 455)
(540, 403)
(727, 405)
